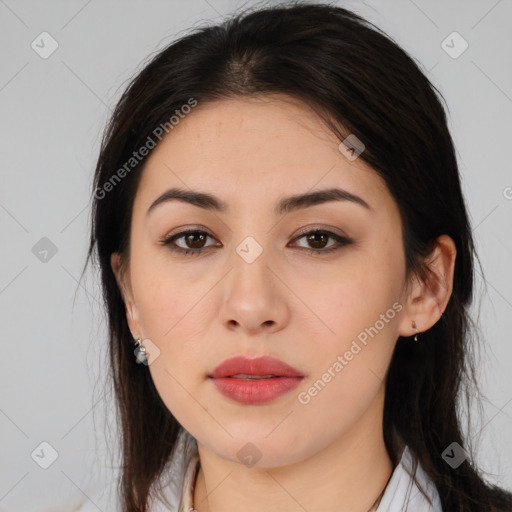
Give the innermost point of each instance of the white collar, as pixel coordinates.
(402, 494)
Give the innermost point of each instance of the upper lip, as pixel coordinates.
(264, 365)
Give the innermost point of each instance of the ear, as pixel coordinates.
(122, 276)
(427, 300)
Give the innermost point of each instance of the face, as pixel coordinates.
(257, 282)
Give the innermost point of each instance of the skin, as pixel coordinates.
(305, 309)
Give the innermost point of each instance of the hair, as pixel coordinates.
(360, 82)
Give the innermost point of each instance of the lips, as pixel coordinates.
(254, 381)
(241, 367)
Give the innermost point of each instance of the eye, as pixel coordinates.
(193, 239)
(317, 238)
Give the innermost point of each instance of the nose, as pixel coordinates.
(254, 298)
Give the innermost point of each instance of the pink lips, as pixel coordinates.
(237, 378)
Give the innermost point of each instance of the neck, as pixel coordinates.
(349, 475)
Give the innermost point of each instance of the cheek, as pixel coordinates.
(176, 392)
(355, 317)
(348, 365)
(174, 319)
(341, 304)
(175, 312)
(176, 323)
(165, 294)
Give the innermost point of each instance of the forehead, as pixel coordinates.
(264, 147)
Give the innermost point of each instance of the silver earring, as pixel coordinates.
(417, 331)
(140, 353)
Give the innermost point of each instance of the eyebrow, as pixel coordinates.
(285, 205)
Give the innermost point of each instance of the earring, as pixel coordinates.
(417, 331)
(140, 352)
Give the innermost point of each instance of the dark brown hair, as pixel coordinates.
(363, 83)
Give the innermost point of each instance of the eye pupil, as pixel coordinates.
(200, 235)
(314, 244)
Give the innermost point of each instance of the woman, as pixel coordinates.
(287, 266)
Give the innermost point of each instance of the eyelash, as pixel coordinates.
(342, 241)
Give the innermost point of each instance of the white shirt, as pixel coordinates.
(401, 493)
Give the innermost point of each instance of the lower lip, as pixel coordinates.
(256, 391)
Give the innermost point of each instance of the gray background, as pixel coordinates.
(53, 111)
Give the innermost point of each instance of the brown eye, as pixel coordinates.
(194, 241)
(317, 241)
